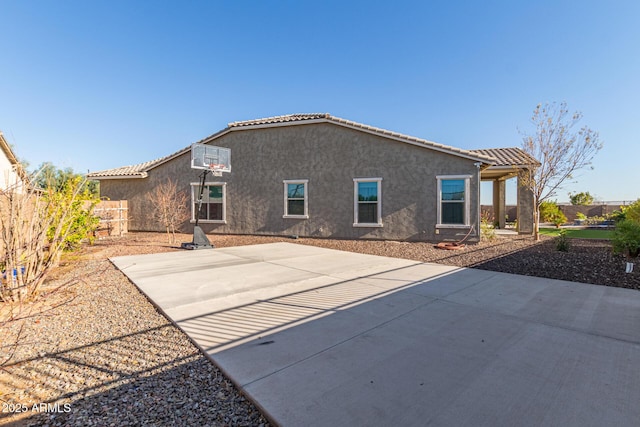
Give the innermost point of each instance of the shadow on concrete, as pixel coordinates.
(222, 329)
(156, 385)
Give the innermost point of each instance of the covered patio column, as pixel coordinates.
(525, 209)
(499, 202)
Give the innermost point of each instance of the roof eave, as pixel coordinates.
(130, 176)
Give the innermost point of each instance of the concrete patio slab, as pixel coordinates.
(319, 337)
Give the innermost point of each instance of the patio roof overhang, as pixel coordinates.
(500, 173)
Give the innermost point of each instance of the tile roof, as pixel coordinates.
(511, 156)
(280, 119)
(494, 157)
(134, 171)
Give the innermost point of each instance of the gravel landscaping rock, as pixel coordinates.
(98, 353)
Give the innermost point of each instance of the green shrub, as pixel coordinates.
(618, 215)
(632, 211)
(71, 208)
(487, 228)
(626, 238)
(562, 241)
(581, 216)
(550, 212)
(596, 219)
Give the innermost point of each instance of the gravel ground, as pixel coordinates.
(99, 353)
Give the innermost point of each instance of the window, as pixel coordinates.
(213, 202)
(367, 203)
(453, 200)
(296, 196)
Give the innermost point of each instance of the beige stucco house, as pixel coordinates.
(322, 176)
(12, 175)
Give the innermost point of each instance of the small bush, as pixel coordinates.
(626, 238)
(550, 212)
(70, 205)
(487, 228)
(36, 226)
(632, 212)
(618, 215)
(581, 216)
(562, 242)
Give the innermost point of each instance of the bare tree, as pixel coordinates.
(560, 147)
(171, 207)
(35, 226)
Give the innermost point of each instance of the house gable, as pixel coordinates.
(141, 170)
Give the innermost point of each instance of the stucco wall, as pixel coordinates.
(329, 156)
(8, 176)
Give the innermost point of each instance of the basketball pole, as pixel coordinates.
(207, 158)
(200, 240)
(204, 178)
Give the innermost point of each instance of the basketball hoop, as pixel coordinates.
(210, 158)
(215, 160)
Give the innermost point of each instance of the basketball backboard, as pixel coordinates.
(210, 157)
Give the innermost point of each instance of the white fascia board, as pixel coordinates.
(137, 176)
(280, 124)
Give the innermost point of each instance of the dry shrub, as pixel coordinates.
(170, 207)
(35, 227)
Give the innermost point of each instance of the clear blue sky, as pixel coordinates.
(94, 85)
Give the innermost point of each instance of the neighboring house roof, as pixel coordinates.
(141, 170)
(6, 148)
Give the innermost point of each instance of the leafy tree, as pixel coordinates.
(561, 150)
(582, 199)
(49, 176)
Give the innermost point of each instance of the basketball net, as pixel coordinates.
(216, 169)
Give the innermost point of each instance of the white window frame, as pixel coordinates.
(467, 197)
(195, 190)
(304, 182)
(356, 181)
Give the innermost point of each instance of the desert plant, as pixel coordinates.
(550, 212)
(487, 228)
(35, 227)
(562, 242)
(626, 238)
(170, 207)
